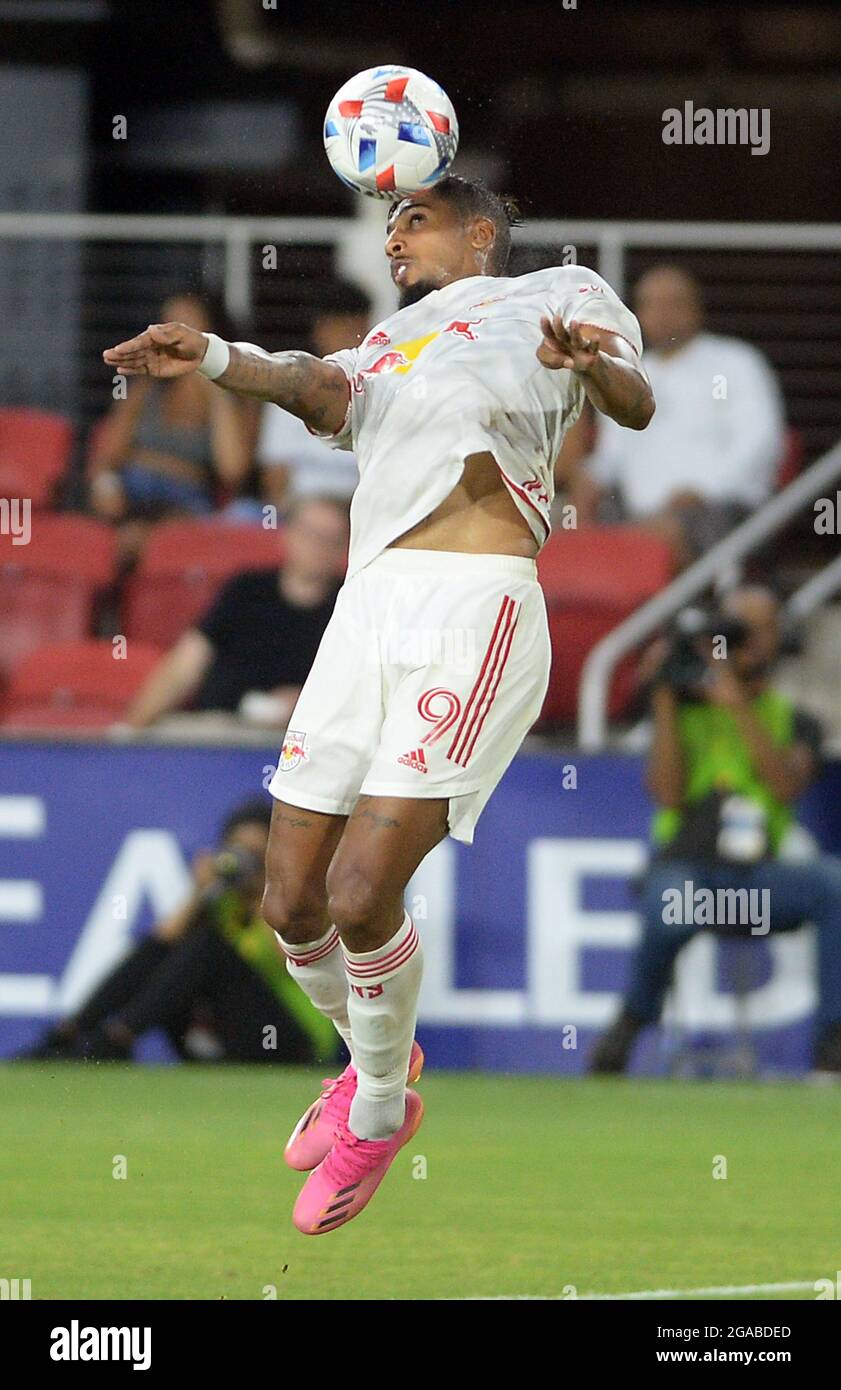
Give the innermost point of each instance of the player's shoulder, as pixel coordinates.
(572, 274)
(562, 279)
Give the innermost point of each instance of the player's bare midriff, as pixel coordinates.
(477, 518)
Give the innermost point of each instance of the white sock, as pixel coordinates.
(383, 1009)
(317, 966)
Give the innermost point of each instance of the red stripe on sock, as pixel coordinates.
(377, 973)
(385, 967)
(388, 964)
(316, 955)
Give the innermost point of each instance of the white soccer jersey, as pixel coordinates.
(457, 374)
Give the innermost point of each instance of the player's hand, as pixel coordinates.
(574, 346)
(164, 350)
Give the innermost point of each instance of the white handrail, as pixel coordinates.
(816, 590)
(602, 660)
(610, 239)
(115, 226)
(801, 236)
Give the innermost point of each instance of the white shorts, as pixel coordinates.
(431, 671)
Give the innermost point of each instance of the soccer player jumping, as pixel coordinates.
(436, 660)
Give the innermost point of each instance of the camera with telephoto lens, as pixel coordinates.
(685, 668)
(235, 868)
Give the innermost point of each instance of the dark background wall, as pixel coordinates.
(563, 106)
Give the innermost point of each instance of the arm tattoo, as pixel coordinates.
(313, 390)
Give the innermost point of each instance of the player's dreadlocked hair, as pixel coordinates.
(471, 198)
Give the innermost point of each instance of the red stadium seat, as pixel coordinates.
(184, 565)
(76, 685)
(593, 578)
(50, 586)
(34, 453)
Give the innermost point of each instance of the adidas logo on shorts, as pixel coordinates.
(416, 759)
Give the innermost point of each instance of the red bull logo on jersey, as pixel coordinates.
(389, 362)
(399, 359)
(294, 751)
(464, 328)
(402, 356)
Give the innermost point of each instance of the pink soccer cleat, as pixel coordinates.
(344, 1183)
(312, 1138)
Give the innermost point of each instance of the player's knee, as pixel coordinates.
(353, 905)
(295, 919)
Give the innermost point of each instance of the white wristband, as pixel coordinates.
(216, 358)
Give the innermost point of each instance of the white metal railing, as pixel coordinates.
(611, 240)
(236, 234)
(822, 586)
(645, 620)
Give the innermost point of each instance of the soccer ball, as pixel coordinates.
(389, 131)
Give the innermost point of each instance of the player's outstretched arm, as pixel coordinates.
(315, 391)
(608, 368)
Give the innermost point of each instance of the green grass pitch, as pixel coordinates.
(513, 1186)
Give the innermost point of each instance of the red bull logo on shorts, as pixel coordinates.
(294, 751)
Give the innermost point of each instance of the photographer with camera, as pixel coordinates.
(210, 975)
(729, 757)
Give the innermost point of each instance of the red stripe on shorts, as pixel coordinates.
(468, 708)
(506, 648)
(487, 681)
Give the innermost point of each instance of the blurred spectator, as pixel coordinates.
(211, 975)
(171, 445)
(294, 462)
(711, 452)
(730, 754)
(260, 636)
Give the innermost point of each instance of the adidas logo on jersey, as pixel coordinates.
(416, 759)
(380, 339)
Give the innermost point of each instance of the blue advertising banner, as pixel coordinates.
(527, 934)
